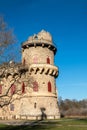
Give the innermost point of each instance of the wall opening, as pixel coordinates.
(48, 60)
(35, 59)
(24, 61)
(13, 89)
(11, 107)
(35, 86)
(23, 87)
(35, 105)
(0, 89)
(49, 87)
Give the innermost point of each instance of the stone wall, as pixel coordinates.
(37, 55)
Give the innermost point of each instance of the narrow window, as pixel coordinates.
(11, 107)
(35, 59)
(23, 87)
(13, 88)
(35, 86)
(48, 60)
(35, 105)
(49, 87)
(0, 89)
(24, 61)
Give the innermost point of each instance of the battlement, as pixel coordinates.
(12, 69)
(43, 39)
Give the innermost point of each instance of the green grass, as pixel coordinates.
(62, 124)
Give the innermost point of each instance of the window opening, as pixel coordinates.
(0, 89)
(24, 61)
(13, 88)
(36, 37)
(48, 60)
(11, 107)
(49, 87)
(35, 59)
(35, 105)
(23, 87)
(35, 86)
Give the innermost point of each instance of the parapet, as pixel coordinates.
(43, 39)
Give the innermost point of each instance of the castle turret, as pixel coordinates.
(38, 56)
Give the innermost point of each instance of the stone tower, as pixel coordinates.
(38, 55)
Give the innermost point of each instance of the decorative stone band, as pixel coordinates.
(42, 43)
(44, 68)
(40, 94)
(33, 68)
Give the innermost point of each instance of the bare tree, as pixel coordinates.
(6, 37)
(12, 77)
(73, 107)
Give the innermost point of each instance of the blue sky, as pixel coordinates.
(66, 20)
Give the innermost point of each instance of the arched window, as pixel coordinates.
(49, 87)
(35, 86)
(13, 88)
(35, 59)
(23, 87)
(48, 60)
(0, 89)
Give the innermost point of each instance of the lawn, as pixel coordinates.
(62, 124)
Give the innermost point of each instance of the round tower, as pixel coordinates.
(38, 55)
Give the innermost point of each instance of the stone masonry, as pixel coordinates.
(28, 89)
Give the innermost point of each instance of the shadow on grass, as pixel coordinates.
(34, 125)
(27, 125)
(49, 125)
